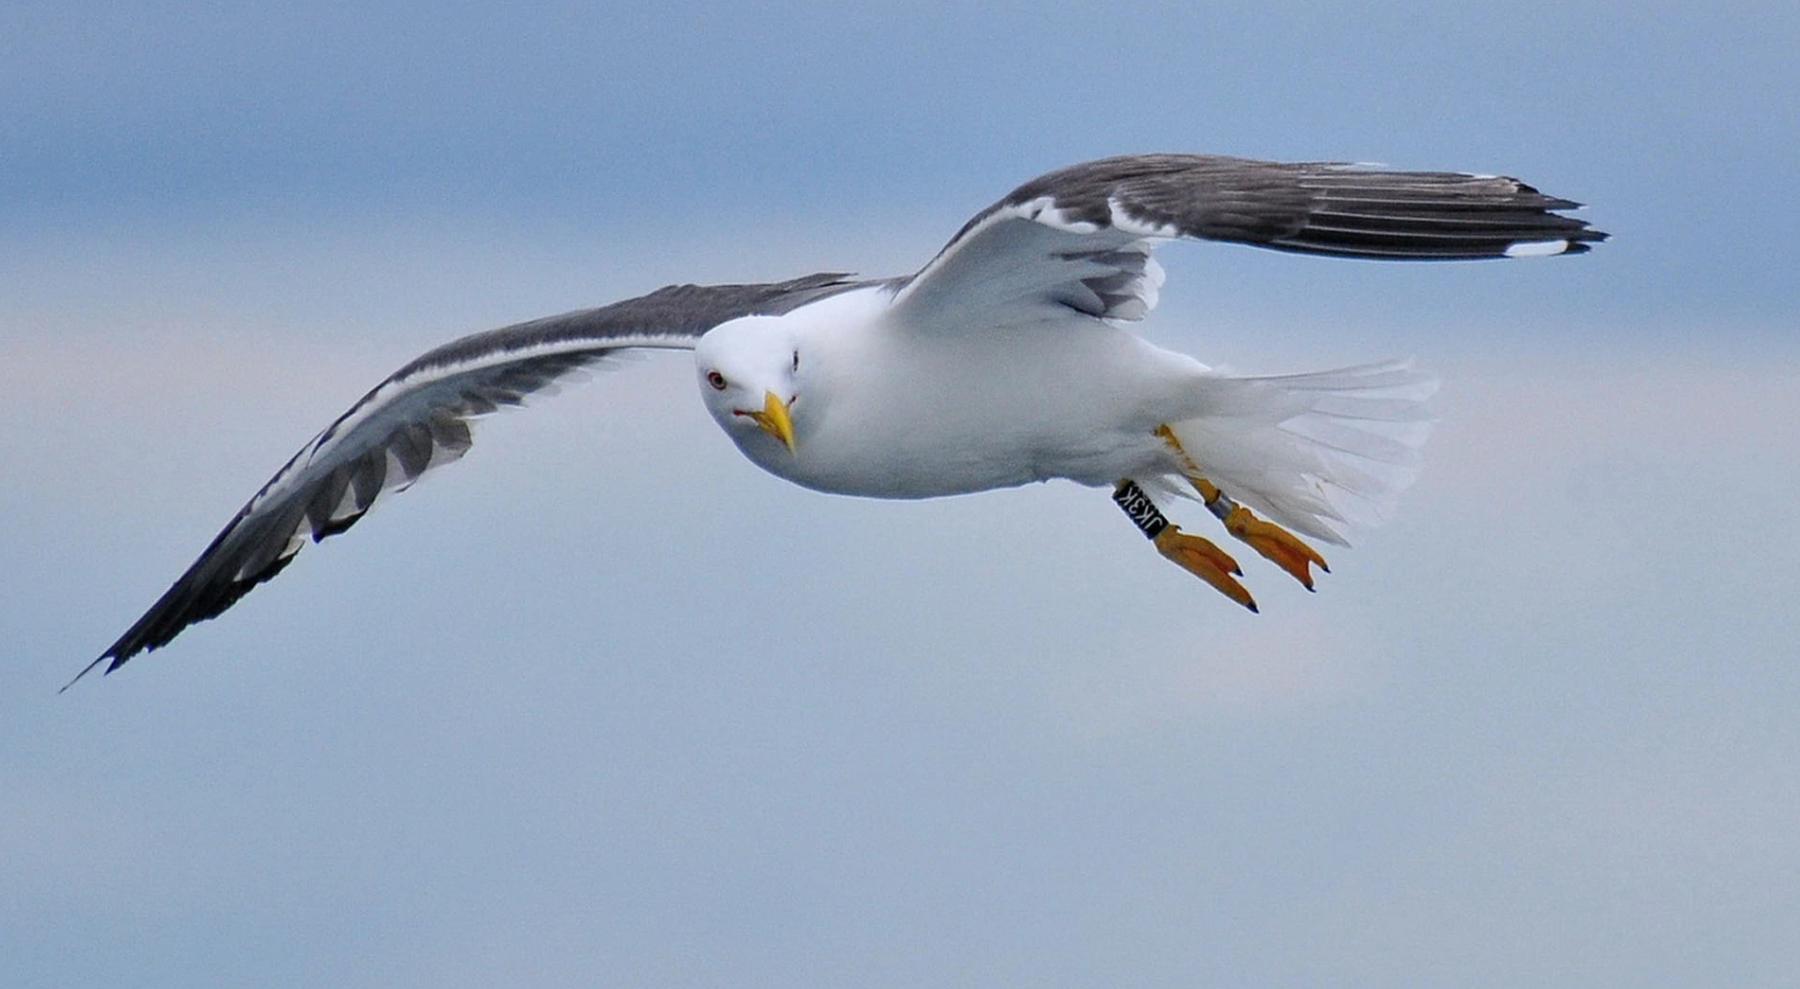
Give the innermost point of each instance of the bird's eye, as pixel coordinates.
(796, 360)
(715, 379)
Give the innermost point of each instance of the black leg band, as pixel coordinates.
(1139, 508)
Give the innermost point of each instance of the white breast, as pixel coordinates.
(895, 413)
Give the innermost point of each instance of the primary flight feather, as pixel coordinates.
(1005, 360)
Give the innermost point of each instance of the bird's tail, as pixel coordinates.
(1325, 454)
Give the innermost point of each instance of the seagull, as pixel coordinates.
(1007, 359)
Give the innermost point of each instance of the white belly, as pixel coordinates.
(896, 416)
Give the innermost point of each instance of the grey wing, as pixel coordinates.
(418, 420)
(1081, 237)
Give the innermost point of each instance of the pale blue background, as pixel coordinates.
(605, 706)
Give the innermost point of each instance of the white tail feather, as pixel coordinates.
(1326, 454)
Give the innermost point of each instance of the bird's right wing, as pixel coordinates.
(418, 420)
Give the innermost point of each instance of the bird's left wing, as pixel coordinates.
(1080, 238)
(418, 420)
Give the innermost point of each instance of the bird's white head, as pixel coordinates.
(750, 373)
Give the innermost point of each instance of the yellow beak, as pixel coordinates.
(775, 421)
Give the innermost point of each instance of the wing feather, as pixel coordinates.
(1080, 237)
(418, 419)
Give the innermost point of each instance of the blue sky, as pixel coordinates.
(530, 725)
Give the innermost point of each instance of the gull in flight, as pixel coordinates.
(1008, 358)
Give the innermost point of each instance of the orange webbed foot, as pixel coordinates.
(1205, 560)
(1276, 544)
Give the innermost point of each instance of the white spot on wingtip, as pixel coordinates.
(1536, 248)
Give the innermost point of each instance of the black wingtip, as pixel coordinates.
(89, 668)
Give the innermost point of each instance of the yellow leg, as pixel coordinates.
(1191, 553)
(1274, 543)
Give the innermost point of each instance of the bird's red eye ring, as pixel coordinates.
(715, 379)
